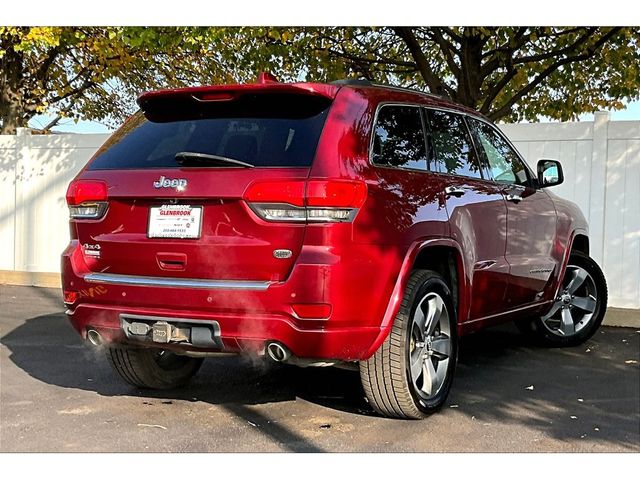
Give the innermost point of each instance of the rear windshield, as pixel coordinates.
(268, 134)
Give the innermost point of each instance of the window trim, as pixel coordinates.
(379, 107)
(464, 116)
(532, 183)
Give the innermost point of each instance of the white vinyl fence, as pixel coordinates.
(601, 161)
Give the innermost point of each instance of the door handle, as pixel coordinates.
(171, 261)
(514, 198)
(454, 191)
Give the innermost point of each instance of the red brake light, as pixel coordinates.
(81, 191)
(285, 191)
(336, 193)
(333, 200)
(215, 97)
(312, 310)
(70, 297)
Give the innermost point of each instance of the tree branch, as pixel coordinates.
(446, 48)
(432, 80)
(555, 53)
(506, 108)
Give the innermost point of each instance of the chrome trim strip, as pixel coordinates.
(170, 282)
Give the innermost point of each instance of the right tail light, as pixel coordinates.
(310, 201)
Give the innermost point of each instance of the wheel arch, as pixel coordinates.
(578, 241)
(442, 255)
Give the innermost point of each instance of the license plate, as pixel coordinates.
(174, 221)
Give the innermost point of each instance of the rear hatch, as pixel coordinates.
(175, 175)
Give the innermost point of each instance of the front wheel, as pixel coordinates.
(578, 309)
(152, 368)
(411, 373)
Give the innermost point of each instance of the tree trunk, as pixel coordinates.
(470, 79)
(11, 93)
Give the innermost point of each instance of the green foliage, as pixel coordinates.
(508, 73)
(95, 72)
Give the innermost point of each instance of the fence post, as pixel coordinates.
(23, 241)
(598, 184)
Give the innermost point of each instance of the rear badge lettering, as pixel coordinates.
(92, 250)
(177, 183)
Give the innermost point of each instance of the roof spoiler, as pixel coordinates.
(266, 84)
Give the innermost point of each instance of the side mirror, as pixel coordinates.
(549, 173)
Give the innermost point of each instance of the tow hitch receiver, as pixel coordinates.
(198, 333)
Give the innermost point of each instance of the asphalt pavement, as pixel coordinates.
(509, 395)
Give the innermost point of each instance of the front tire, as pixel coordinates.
(152, 368)
(579, 308)
(411, 373)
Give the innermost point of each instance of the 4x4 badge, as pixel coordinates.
(177, 183)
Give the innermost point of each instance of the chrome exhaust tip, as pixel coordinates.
(277, 352)
(94, 337)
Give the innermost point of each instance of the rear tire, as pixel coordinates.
(579, 309)
(152, 368)
(411, 373)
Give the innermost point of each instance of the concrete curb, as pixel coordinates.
(30, 279)
(622, 317)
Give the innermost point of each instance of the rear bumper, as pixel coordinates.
(249, 314)
(239, 333)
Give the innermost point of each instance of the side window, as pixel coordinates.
(453, 147)
(503, 161)
(398, 138)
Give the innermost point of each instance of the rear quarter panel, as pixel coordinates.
(403, 208)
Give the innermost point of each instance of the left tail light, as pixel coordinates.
(87, 199)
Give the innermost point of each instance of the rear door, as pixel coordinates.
(476, 209)
(531, 218)
(176, 175)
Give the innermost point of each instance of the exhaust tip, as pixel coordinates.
(277, 352)
(94, 337)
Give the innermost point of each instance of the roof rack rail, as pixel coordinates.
(354, 82)
(414, 90)
(366, 83)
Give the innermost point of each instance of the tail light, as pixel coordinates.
(306, 201)
(87, 199)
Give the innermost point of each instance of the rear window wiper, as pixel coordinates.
(209, 158)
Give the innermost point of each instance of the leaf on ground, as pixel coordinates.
(573, 417)
(530, 387)
(151, 426)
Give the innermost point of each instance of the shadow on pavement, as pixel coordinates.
(591, 382)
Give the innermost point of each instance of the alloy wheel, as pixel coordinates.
(430, 345)
(575, 305)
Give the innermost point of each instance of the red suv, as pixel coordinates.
(320, 224)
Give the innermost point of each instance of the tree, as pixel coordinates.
(507, 73)
(95, 72)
